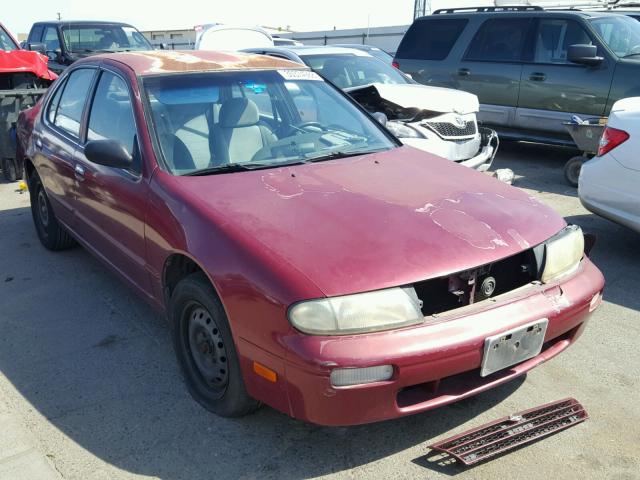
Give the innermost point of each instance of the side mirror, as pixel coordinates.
(37, 47)
(584, 54)
(109, 153)
(164, 46)
(380, 117)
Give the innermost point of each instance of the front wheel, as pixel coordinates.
(205, 349)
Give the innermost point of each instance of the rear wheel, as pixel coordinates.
(205, 349)
(52, 235)
(10, 170)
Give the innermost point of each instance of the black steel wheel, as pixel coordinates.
(205, 349)
(10, 170)
(51, 234)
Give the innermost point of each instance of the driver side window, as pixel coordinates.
(111, 115)
(554, 37)
(51, 40)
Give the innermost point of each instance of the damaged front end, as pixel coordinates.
(24, 77)
(436, 120)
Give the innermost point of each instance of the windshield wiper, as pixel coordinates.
(342, 154)
(631, 55)
(243, 167)
(231, 167)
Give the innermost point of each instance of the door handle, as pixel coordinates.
(537, 77)
(464, 72)
(79, 171)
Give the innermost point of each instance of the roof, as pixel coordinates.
(303, 50)
(176, 61)
(465, 13)
(80, 22)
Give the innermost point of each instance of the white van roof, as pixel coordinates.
(232, 37)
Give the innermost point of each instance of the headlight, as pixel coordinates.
(401, 130)
(362, 312)
(563, 253)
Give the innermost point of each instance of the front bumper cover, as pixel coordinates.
(436, 363)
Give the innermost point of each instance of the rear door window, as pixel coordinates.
(431, 39)
(53, 105)
(500, 40)
(69, 112)
(553, 38)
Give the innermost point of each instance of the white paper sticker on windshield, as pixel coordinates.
(299, 75)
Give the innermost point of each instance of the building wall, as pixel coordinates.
(386, 38)
(175, 39)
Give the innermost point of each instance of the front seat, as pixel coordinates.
(238, 135)
(334, 71)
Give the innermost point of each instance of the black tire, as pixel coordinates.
(572, 170)
(51, 234)
(10, 170)
(205, 349)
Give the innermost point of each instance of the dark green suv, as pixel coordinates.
(532, 69)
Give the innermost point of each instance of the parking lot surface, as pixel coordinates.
(87, 370)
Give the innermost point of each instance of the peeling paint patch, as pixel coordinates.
(518, 238)
(283, 186)
(462, 225)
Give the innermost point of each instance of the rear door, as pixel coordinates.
(492, 67)
(58, 139)
(111, 202)
(552, 87)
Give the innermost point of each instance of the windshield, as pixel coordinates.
(103, 38)
(347, 70)
(6, 42)
(620, 33)
(218, 122)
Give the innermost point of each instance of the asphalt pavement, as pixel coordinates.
(90, 389)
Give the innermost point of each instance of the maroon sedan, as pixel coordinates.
(304, 257)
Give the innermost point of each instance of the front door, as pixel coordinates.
(553, 89)
(492, 67)
(111, 202)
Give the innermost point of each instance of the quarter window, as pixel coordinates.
(554, 37)
(431, 39)
(69, 111)
(500, 40)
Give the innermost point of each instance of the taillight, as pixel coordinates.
(395, 64)
(611, 138)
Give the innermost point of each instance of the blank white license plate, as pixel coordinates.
(513, 346)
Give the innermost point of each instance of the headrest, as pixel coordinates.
(238, 112)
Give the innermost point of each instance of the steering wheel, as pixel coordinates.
(315, 125)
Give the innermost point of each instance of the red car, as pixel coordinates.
(319, 267)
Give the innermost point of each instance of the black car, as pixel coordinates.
(64, 42)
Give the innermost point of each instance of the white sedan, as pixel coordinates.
(609, 183)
